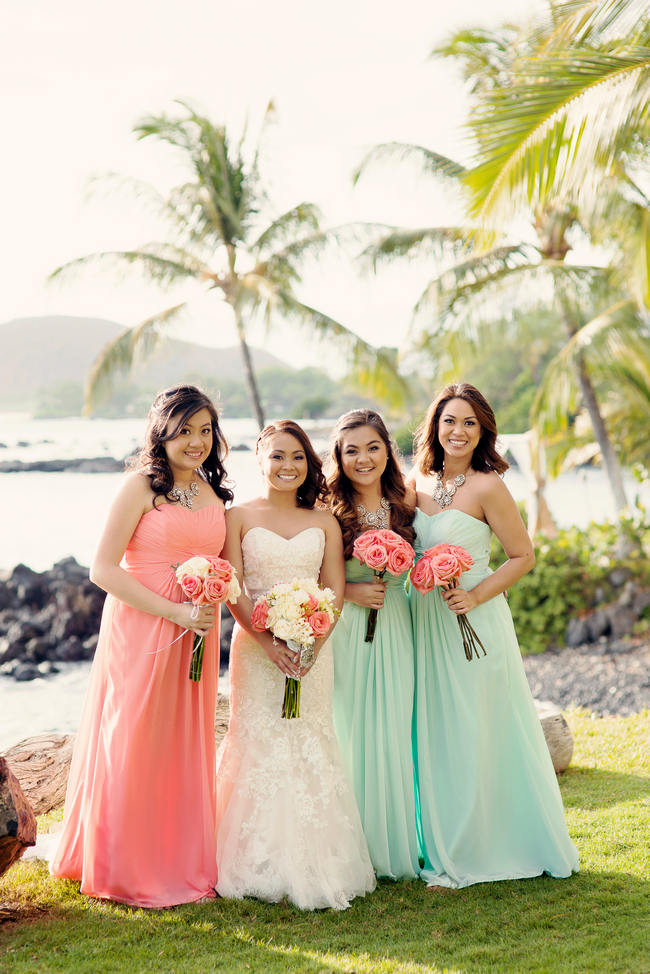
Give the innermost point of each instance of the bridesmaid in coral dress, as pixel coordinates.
(139, 821)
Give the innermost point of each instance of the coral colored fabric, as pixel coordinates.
(139, 822)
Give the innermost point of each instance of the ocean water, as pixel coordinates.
(48, 516)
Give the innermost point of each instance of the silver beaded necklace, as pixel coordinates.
(185, 497)
(443, 495)
(375, 519)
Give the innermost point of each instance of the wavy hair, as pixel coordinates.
(341, 493)
(313, 488)
(429, 454)
(169, 412)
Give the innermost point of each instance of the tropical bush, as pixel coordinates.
(573, 573)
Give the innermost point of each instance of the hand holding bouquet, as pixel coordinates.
(297, 612)
(206, 580)
(442, 566)
(382, 551)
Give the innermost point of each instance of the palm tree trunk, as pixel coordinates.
(249, 373)
(610, 460)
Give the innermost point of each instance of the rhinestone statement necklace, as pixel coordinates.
(441, 494)
(184, 497)
(375, 519)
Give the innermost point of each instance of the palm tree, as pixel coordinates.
(484, 269)
(218, 238)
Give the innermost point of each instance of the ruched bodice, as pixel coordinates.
(170, 534)
(270, 559)
(456, 527)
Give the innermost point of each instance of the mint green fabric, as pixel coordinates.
(488, 802)
(373, 707)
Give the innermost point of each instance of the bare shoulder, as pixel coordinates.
(490, 486)
(136, 490)
(411, 496)
(325, 519)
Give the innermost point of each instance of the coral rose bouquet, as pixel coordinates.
(442, 566)
(297, 612)
(382, 551)
(203, 581)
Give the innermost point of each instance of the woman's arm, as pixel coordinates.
(276, 650)
(502, 515)
(132, 501)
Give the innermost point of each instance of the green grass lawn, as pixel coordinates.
(595, 921)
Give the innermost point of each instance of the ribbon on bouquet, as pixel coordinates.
(194, 614)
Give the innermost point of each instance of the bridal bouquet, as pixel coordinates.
(203, 581)
(297, 612)
(383, 551)
(442, 566)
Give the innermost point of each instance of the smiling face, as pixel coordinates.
(459, 430)
(363, 456)
(283, 462)
(191, 445)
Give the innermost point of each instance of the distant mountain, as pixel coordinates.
(39, 353)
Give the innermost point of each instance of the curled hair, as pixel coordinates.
(429, 454)
(169, 412)
(341, 492)
(313, 488)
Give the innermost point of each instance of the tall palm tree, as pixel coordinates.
(220, 238)
(484, 267)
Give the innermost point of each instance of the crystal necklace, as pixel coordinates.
(375, 519)
(441, 494)
(184, 497)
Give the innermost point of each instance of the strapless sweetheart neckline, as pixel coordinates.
(452, 510)
(260, 527)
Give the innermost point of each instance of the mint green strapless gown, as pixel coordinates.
(489, 806)
(373, 710)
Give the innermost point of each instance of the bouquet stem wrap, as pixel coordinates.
(372, 613)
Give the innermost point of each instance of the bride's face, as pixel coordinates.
(283, 462)
(363, 456)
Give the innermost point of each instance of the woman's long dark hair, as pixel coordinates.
(314, 487)
(341, 493)
(429, 454)
(169, 412)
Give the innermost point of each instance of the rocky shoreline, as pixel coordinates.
(53, 616)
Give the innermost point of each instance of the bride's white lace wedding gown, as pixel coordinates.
(287, 820)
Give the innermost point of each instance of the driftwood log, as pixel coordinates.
(557, 733)
(17, 820)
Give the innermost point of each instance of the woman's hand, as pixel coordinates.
(197, 618)
(286, 660)
(460, 601)
(369, 595)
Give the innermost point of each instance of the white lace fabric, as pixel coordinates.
(287, 820)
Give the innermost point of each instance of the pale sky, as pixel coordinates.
(344, 75)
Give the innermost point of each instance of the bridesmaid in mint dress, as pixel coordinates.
(489, 806)
(374, 681)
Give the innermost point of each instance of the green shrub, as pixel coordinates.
(572, 574)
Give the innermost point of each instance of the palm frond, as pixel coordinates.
(595, 22)
(120, 355)
(161, 262)
(486, 55)
(549, 134)
(375, 369)
(430, 162)
(302, 217)
(420, 242)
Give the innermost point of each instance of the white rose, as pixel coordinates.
(193, 566)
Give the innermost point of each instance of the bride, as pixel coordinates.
(287, 821)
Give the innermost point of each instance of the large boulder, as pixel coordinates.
(557, 733)
(17, 820)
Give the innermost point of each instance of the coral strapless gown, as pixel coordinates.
(139, 814)
(287, 821)
(488, 799)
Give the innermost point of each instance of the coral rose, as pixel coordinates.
(446, 567)
(259, 617)
(319, 622)
(221, 567)
(363, 542)
(215, 589)
(311, 604)
(465, 560)
(192, 586)
(422, 577)
(376, 557)
(400, 559)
